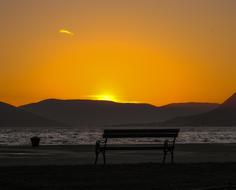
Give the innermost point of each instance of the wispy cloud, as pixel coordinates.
(67, 32)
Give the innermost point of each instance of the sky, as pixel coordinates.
(153, 51)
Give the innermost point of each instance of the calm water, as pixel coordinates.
(75, 136)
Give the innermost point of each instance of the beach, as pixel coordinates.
(71, 167)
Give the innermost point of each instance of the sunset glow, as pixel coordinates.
(105, 97)
(152, 51)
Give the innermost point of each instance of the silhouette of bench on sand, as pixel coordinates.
(168, 145)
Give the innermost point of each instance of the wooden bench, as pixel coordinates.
(167, 145)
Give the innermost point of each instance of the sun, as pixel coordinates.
(107, 97)
(104, 97)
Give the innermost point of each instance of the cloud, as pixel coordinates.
(67, 32)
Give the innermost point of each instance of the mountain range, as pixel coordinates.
(54, 112)
(11, 116)
(100, 113)
(223, 115)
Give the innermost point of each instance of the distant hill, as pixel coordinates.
(91, 112)
(182, 109)
(11, 116)
(224, 115)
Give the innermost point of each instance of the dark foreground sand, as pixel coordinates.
(70, 167)
(113, 177)
(84, 154)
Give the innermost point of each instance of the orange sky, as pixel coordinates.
(153, 51)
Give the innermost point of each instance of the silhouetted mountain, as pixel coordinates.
(11, 116)
(224, 115)
(183, 109)
(230, 103)
(91, 112)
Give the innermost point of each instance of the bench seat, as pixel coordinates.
(168, 135)
(135, 147)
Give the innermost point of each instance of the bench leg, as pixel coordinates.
(104, 157)
(164, 157)
(96, 159)
(172, 157)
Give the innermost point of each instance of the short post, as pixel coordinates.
(35, 141)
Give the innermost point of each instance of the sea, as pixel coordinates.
(88, 136)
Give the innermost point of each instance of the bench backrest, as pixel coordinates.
(138, 133)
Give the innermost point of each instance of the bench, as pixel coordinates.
(167, 145)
